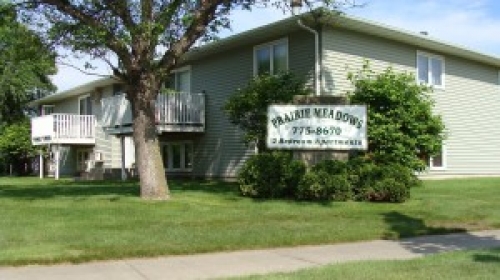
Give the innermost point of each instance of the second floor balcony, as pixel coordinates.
(63, 129)
(174, 112)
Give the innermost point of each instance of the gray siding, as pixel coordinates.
(469, 104)
(347, 51)
(66, 106)
(220, 151)
(107, 145)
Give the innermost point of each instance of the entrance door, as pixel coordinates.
(83, 157)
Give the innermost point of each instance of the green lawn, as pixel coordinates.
(44, 221)
(477, 264)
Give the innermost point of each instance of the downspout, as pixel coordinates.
(317, 69)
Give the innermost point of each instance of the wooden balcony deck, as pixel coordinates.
(63, 129)
(176, 112)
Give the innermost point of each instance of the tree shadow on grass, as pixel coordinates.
(402, 226)
(208, 186)
(69, 189)
(436, 239)
(492, 256)
(117, 188)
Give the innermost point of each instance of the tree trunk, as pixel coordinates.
(153, 181)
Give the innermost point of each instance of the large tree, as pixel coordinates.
(25, 63)
(147, 38)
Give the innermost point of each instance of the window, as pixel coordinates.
(85, 105)
(271, 58)
(180, 80)
(47, 110)
(177, 156)
(438, 162)
(430, 69)
(83, 159)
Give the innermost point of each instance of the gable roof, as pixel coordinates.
(346, 22)
(412, 38)
(285, 26)
(76, 91)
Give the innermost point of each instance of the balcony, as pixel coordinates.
(63, 129)
(175, 112)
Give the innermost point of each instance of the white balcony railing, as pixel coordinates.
(63, 129)
(175, 112)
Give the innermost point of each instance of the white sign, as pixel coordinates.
(323, 127)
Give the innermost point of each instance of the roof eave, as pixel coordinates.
(76, 91)
(411, 38)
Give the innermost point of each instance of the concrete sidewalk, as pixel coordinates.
(240, 263)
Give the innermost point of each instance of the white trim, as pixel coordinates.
(269, 45)
(429, 68)
(443, 158)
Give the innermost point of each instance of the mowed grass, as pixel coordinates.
(44, 221)
(476, 264)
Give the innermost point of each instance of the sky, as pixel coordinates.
(474, 24)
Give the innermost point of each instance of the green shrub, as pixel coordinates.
(312, 187)
(373, 182)
(320, 185)
(331, 166)
(389, 190)
(270, 175)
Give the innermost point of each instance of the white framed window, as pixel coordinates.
(271, 58)
(177, 156)
(438, 162)
(180, 80)
(430, 69)
(47, 110)
(85, 105)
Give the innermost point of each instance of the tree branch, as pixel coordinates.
(112, 41)
(85, 71)
(201, 18)
(119, 8)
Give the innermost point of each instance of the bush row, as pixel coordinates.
(277, 175)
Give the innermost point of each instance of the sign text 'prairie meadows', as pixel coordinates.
(334, 127)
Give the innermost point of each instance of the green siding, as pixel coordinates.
(469, 103)
(470, 106)
(220, 151)
(346, 51)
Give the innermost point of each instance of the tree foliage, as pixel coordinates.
(402, 128)
(15, 146)
(247, 108)
(25, 63)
